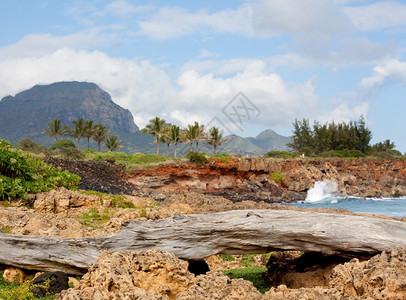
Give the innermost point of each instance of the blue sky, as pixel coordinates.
(187, 60)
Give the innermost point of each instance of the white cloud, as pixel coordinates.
(207, 54)
(260, 18)
(377, 16)
(173, 22)
(124, 8)
(147, 90)
(345, 112)
(298, 17)
(388, 72)
(37, 45)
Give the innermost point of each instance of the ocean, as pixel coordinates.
(323, 195)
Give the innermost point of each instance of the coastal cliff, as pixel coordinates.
(276, 180)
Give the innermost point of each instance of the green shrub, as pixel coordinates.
(72, 153)
(22, 174)
(226, 257)
(348, 153)
(31, 146)
(277, 177)
(280, 154)
(15, 291)
(197, 158)
(62, 144)
(222, 157)
(253, 274)
(94, 219)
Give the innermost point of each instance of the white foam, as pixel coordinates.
(321, 190)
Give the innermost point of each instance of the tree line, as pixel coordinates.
(83, 129)
(164, 134)
(322, 138)
(192, 134)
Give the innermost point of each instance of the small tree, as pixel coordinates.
(112, 143)
(175, 137)
(155, 128)
(89, 131)
(200, 134)
(189, 135)
(55, 129)
(215, 138)
(100, 134)
(166, 137)
(78, 130)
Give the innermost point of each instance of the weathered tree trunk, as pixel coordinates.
(199, 236)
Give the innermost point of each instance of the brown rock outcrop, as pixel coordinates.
(381, 277)
(154, 274)
(249, 178)
(11, 275)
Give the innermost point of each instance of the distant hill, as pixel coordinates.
(267, 140)
(27, 114)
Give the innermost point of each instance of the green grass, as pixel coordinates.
(6, 229)
(226, 257)
(94, 219)
(5, 204)
(253, 274)
(280, 154)
(222, 157)
(131, 161)
(277, 177)
(15, 291)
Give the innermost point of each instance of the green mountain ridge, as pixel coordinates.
(27, 114)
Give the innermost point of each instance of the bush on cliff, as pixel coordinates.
(22, 174)
(280, 154)
(197, 158)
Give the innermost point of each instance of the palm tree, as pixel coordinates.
(200, 134)
(166, 137)
(215, 138)
(112, 143)
(175, 137)
(89, 131)
(78, 129)
(155, 127)
(189, 135)
(55, 129)
(100, 134)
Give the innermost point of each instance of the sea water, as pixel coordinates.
(324, 195)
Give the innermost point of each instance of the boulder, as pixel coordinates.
(11, 274)
(49, 283)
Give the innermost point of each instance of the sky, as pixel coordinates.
(244, 66)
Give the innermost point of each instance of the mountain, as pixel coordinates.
(27, 114)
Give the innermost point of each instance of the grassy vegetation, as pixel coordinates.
(253, 274)
(197, 158)
(226, 257)
(222, 157)
(6, 229)
(281, 154)
(94, 219)
(277, 177)
(130, 161)
(15, 291)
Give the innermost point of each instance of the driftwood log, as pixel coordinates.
(199, 236)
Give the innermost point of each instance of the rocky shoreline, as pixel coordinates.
(218, 186)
